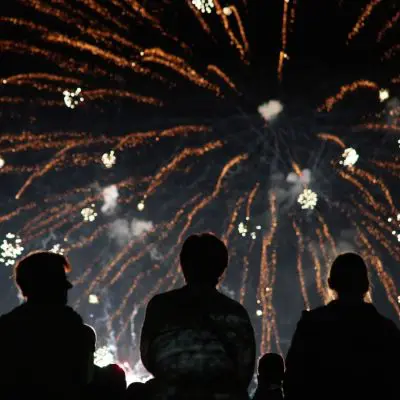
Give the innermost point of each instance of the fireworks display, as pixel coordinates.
(216, 126)
(10, 249)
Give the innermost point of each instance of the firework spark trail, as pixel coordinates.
(106, 270)
(179, 65)
(381, 127)
(155, 289)
(200, 18)
(332, 138)
(365, 192)
(318, 274)
(325, 230)
(267, 272)
(245, 274)
(168, 228)
(18, 211)
(388, 54)
(222, 75)
(102, 93)
(389, 25)
(96, 51)
(282, 53)
(251, 198)
(384, 277)
(56, 159)
(242, 48)
(163, 173)
(322, 247)
(228, 166)
(240, 25)
(344, 90)
(300, 271)
(376, 181)
(362, 19)
(231, 226)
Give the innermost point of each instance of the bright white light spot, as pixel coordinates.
(140, 206)
(227, 11)
(350, 157)
(204, 6)
(10, 249)
(2, 162)
(104, 356)
(93, 299)
(89, 214)
(383, 95)
(72, 99)
(109, 159)
(57, 249)
(269, 111)
(4, 81)
(258, 227)
(308, 199)
(242, 229)
(259, 313)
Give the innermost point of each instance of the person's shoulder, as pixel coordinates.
(162, 299)
(231, 305)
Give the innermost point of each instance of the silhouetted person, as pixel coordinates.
(137, 391)
(270, 376)
(345, 349)
(109, 383)
(46, 350)
(197, 342)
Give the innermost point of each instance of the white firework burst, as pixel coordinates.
(89, 214)
(11, 249)
(72, 99)
(204, 6)
(109, 159)
(307, 199)
(350, 157)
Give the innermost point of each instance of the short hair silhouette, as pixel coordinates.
(204, 259)
(271, 368)
(41, 272)
(349, 275)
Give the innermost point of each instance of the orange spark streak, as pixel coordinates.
(317, 269)
(361, 21)
(16, 212)
(234, 216)
(245, 274)
(102, 93)
(389, 25)
(251, 198)
(381, 127)
(222, 75)
(300, 271)
(327, 234)
(179, 65)
(163, 173)
(265, 272)
(282, 53)
(57, 158)
(333, 138)
(331, 101)
(230, 164)
(225, 22)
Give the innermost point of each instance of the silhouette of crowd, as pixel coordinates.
(197, 342)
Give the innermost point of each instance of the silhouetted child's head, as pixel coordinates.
(204, 259)
(349, 276)
(41, 277)
(271, 369)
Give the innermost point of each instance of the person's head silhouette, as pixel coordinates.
(349, 276)
(204, 259)
(271, 369)
(41, 277)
